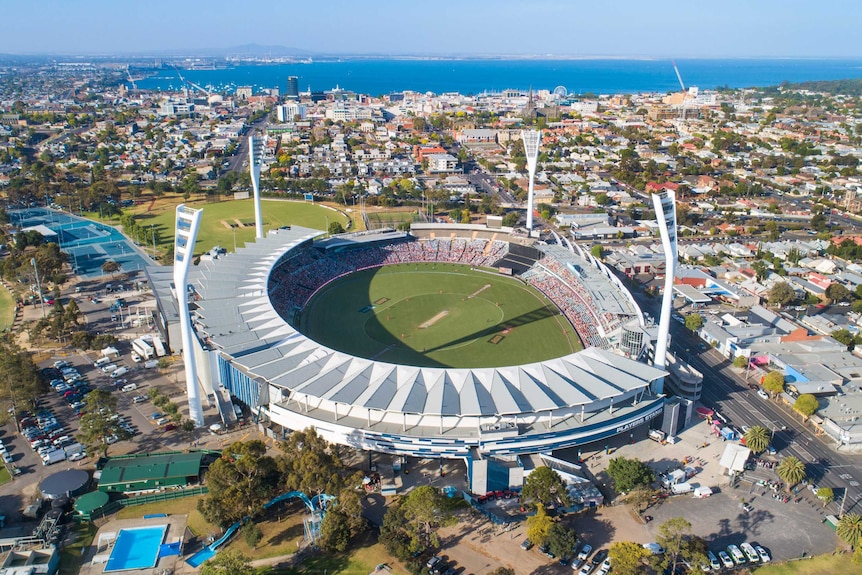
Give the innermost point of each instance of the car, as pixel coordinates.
(109, 368)
(585, 570)
(726, 560)
(736, 554)
(526, 545)
(111, 439)
(545, 549)
(136, 358)
(162, 420)
(585, 552)
(599, 557)
(844, 304)
(762, 394)
(750, 553)
(605, 568)
(173, 426)
(654, 548)
(449, 571)
(61, 364)
(130, 387)
(753, 386)
(139, 399)
(433, 562)
(577, 563)
(713, 561)
(747, 507)
(78, 405)
(564, 560)
(761, 552)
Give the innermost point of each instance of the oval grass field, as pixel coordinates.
(437, 315)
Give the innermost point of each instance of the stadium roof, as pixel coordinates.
(237, 317)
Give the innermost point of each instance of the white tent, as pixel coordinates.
(734, 457)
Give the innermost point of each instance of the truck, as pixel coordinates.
(143, 348)
(159, 346)
(657, 435)
(681, 488)
(54, 456)
(728, 433)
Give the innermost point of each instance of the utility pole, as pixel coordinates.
(153, 234)
(843, 500)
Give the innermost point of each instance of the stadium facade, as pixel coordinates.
(245, 306)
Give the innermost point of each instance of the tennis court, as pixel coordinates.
(89, 244)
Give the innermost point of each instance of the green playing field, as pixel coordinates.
(440, 315)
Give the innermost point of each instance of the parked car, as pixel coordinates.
(162, 420)
(119, 372)
(726, 560)
(139, 399)
(526, 545)
(585, 552)
(761, 552)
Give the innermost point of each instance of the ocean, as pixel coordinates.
(378, 77)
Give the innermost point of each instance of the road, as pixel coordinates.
(726, 390)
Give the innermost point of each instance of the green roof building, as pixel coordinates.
(150, 471)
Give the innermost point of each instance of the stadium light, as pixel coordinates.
(531, 139)
(665, 212)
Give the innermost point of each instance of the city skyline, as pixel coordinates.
(670, 28)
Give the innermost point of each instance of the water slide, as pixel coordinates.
(319, 502)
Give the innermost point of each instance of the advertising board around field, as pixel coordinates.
(240, 195)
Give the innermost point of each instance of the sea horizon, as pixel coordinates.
(376, 76)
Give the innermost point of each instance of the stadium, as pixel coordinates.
(279, 331)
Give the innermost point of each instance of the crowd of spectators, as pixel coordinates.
(572, 306)
(301, 274)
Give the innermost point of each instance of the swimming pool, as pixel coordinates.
(136, 548)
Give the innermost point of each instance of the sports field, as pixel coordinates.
(438, 315)
(224, 221)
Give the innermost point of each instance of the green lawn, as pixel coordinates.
(222, 221)
(5, 476)
(7, 308)
(819, 565)
(360, 559)
(182, 506)
(71, 557)
(438, 315)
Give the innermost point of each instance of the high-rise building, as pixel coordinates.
(293, 87)
(665, 214)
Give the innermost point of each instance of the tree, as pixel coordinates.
(757, 438)
(334, 531)
(546, 487)
(502, 571)
(539, 525)
(240, 482)
(628, 558)
(425, 511)
(826, 495)
(110, 267)
(311, 464)
(597, 251)
(837, 292)
(781, 294)
(844, 336)
(252, 534)
(629, 473)
(17, 366)
(675, 536)
(602, 199)
(849, 528)
(740, 361)
(693, 321)
(99, 423)
(640, 498)
(774, 382)
(228, 562)
(561, 540)
(806, 404)
(511, 219)
(791, 470)
(335, 228)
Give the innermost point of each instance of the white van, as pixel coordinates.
(150, 364)
(119, 372)
(102, 361)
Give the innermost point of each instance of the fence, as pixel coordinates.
(115, 506)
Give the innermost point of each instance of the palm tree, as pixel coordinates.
(849, 528)
(791, 470)
(757, 438)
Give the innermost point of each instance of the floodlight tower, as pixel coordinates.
(665, 212)
(255, 153)
(187, 224)
(531, 139)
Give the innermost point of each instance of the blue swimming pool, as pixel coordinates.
(136, 548)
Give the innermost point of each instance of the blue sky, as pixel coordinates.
(644, 28)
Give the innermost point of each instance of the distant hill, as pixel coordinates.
(848, 87)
